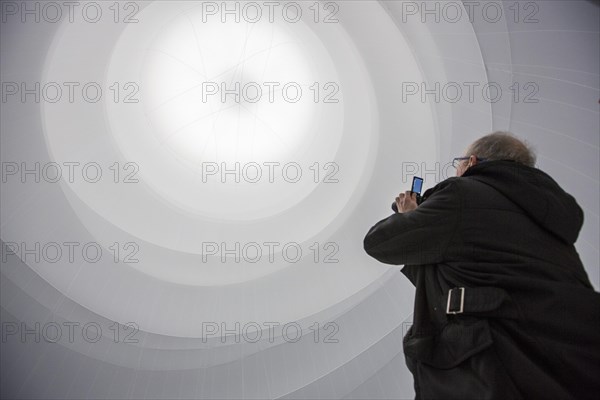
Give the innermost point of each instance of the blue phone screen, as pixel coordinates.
(417, 185)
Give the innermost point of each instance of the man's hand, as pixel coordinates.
(406, 201)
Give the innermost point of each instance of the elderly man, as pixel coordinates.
(503, 307)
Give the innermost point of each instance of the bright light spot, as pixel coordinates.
(215, 91)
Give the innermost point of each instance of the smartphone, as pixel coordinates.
(417, 185)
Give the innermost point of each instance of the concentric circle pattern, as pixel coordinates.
(224, 161)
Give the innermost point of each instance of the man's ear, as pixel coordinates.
(472, 160)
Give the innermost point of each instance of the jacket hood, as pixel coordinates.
(535, 192)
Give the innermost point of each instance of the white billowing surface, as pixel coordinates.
(375, 50)
(171, 236)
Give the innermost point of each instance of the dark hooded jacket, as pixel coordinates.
(530, 326)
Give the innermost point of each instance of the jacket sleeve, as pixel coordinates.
(419, 236)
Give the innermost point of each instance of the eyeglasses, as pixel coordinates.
(456, 160)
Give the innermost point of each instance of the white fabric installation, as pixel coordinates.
(408, 86)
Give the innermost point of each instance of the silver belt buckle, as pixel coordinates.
(462, 301)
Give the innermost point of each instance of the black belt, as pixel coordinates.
(465, 300)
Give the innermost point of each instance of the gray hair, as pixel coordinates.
(503, 146)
